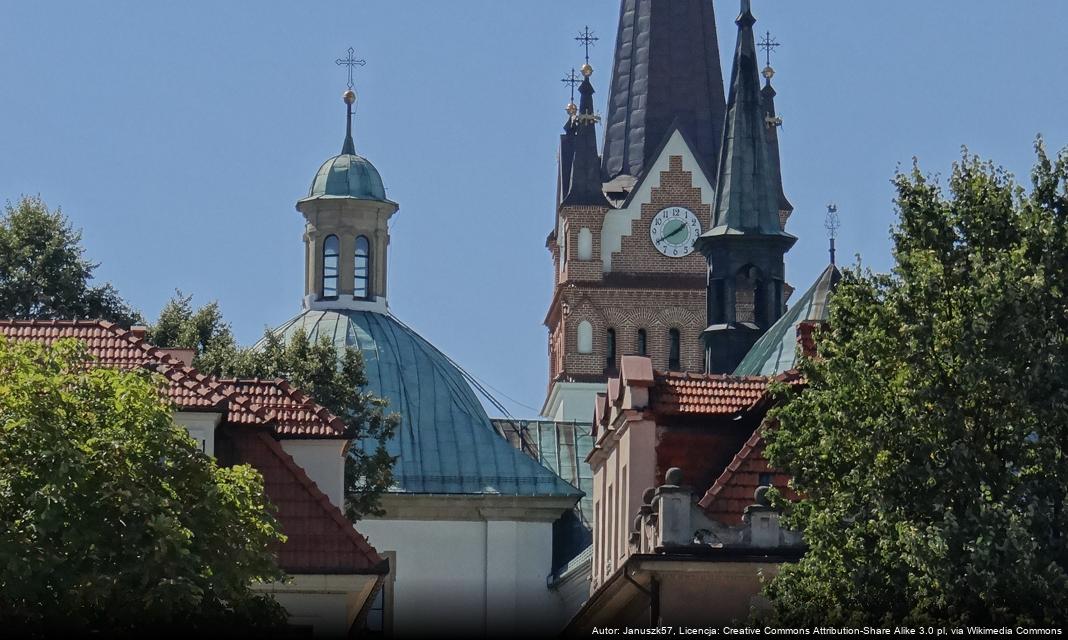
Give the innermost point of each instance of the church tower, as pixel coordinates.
(745, 247)
(627, 277)
(346, 232)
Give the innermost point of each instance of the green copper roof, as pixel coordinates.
(445, 443)
(776, 351)
(347, 176)
(747, 199)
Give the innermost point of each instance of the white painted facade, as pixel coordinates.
(201, 426)
(474, 565)
(328, 604)
(324, 462)
(571, 401)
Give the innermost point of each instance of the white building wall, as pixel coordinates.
(324, 462)
(479, 578)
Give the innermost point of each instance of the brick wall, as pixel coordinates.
(668, 293)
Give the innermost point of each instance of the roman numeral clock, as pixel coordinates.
(674, 231)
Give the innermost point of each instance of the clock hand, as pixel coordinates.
(668, 235)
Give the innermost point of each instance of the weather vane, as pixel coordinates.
(768, 44)
(573, 80)
(587, 39)
(831, 223)
(350, 61)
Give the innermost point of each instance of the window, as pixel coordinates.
(610, 350)
(585, 337)
(362, 283)
(379, 617)
(585, 244)
(331, 252)
(675, 349)
(643, 342)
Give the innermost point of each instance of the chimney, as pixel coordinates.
(183, 355)
(139, 331)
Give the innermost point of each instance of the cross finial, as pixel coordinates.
(350, 61)
(587, 40)
(573, 80)
(768, 44)
(831, 223)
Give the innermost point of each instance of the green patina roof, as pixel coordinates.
(747, 199)
(776, 351)
(347, 176)
(445, 443)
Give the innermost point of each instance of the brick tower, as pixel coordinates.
(628, 278)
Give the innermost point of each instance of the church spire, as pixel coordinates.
(349, 147)
(773, 122)
(746, 197)
(585, 187)
(667, 68)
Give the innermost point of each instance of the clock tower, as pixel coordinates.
(669, 243)
(628, 278)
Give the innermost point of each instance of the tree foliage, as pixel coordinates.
(931, 443)
(335, 380)
(111, 519)
(44, 273)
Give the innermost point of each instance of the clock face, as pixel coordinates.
(674, 231)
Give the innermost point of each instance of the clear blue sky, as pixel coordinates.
(179, 137)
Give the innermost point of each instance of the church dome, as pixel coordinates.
(445, 443)
(347, 176)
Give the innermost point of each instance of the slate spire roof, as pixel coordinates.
(584, 186)
(747, 200)
(767, 97)
(667, 68)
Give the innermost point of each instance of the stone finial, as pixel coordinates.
(648, 495)
(673, 477)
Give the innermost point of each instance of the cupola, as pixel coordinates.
(346, 235)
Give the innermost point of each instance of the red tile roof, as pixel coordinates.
(734, 490)
(705, 394)
(319, 538)
(274, 403)
(294, 412)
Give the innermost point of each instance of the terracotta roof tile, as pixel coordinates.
(705, 394)
(288, 411)
(734, 490)
(319, 538)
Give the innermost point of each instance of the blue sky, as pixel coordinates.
(179, 136)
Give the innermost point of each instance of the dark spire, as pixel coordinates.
(585, 187)
(349, 148)
(831, 223)
(746, 197)
(667, 67)
(773, 122)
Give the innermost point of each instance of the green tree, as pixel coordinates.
(111, 519)
(335, 380)
(44, 273)
(931, 442)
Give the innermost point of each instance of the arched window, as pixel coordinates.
(746, 300)
(331, 252)
(585, 337)
(361, 287)
(585, 244)
(643, 342)
(610, 350)
(674, 359)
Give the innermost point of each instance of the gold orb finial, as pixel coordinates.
(572, 108)
(769, 73)
(586, 70)
(349, 97)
